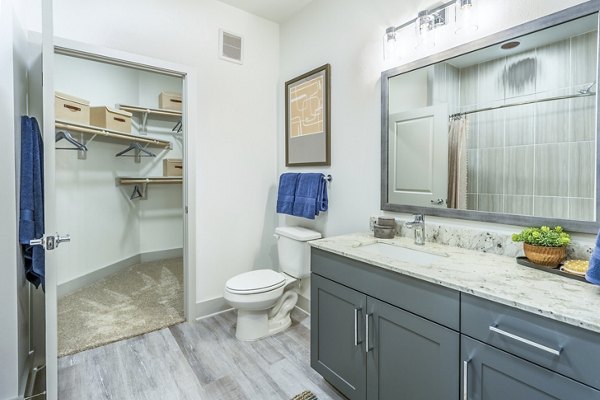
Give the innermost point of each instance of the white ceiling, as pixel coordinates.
(274, 10)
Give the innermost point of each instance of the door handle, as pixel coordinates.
(466, 380)
(50, 242)
(531, 343)
(367, 344)
(356, 311)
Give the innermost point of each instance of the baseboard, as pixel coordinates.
(208, 308)
(161, 255)
(86, 280)
(303, 304)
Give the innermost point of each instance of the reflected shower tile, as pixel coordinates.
(491, 128)
(552, 122)
(453, 85)
(472, 171)
(490, 85)
(581, 209)
(551, 169)
(583, 118)
(468, 85)
(471, 202)
(522, 205)
(519, 170)
(584, 58)
(490, 202)
(582, 169)
(519, 125)
(473, 131)
(553, 66)
(519, 76)
(552, 207)
(490, 171)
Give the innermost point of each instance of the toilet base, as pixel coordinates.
(254, 325)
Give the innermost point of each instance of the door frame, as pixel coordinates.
(188, 75)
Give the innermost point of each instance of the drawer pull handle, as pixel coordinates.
(368, 347)
(356, 311)
(72, 108)
(119, 119)
(466, 380)
(552, 351)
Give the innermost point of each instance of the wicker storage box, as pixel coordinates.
(172, 167)
(170, 101)
(111, 119)
(71, 109)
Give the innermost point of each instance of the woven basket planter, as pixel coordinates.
(546, 256)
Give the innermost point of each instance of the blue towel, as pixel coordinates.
(31, 217)
(287, 192)
(593, 273)
(311, 196)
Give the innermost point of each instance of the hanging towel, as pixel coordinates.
(31, 217)
(593, 273)
(287, 192)
(311, 196)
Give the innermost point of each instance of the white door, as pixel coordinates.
(52, 225)
(418, 157)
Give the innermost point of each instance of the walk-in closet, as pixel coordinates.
(119, 187)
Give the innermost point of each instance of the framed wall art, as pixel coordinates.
(307, 122)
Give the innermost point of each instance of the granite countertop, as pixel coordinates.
(490, 276)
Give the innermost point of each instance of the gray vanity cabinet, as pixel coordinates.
(409, 357)
(492, 374)
(371, 349)
(337, 349)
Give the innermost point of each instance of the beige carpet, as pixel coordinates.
(144, 298)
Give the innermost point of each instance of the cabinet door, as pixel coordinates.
(337, 336)
(492, 374)
(410, 358)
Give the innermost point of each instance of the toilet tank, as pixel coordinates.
(294, 250)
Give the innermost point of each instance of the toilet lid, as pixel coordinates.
(259, 281)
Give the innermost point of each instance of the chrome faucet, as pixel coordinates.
(418, 225)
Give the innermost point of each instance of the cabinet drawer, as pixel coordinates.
(433, 302)
(571, 351)
(489, 374)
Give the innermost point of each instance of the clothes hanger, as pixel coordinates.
(67, 136)
(136, 194)
(138, 151)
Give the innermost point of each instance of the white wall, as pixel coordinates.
(236, 156)
(348, 35)
(106, 226)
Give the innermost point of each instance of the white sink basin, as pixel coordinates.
(401, 253)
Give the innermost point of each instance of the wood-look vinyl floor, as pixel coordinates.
(197, 360)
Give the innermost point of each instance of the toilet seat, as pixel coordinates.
(254, 282)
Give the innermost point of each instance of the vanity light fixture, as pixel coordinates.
(427, 21)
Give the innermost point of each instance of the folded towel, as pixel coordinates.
(311, 196)
(287, 192)
(31, 219)
(593, 273)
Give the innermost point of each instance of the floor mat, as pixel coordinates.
(141, 299)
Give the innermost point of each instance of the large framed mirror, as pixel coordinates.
(503, 129)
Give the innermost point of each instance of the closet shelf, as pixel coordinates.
(123, 180)
(113, 135)
(149, 111)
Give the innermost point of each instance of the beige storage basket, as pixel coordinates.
(172, 167)
(111, 119)
(170, 101)
(71, 109)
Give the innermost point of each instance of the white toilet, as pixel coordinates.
(264, 298)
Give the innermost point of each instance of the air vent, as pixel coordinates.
(230, 47)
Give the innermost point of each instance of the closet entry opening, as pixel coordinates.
(120, 194)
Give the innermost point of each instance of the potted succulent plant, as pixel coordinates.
(543, 245)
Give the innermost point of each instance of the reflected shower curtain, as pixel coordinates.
(457, 163)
